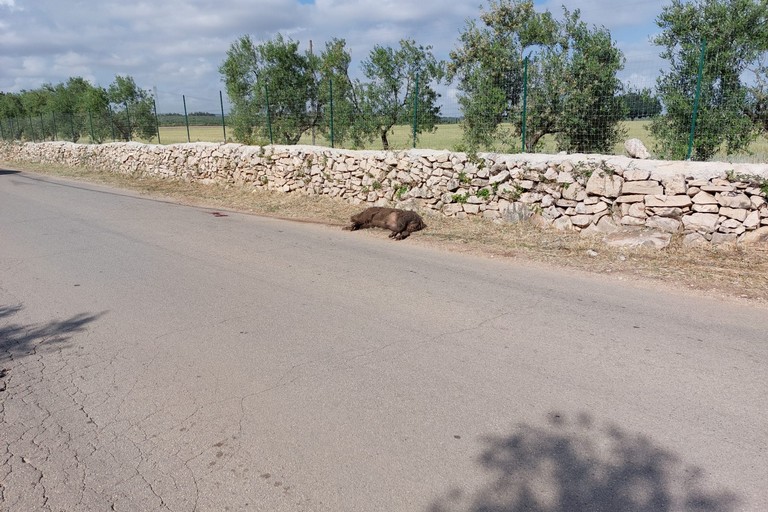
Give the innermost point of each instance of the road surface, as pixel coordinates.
(156, 356)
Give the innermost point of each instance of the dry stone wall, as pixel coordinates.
(705, 202)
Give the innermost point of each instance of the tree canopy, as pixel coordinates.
(278, 92)
(572, 88)
(396, 79)
(76, 108)
(733, 36)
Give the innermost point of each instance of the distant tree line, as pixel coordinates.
(521, 74)
(77, 108)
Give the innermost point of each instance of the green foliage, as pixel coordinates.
(572, 84)
(752, 179)
(589, 121)
(734, 31)
(132, 109)
(278, 93)
(77, 108)
(515, 194)
(641, 104)
(239, 72)
(460, 198)
(401, 191)
(484, 193)
(397, 77)
(335, 88)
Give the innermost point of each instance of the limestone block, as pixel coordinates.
(665, 212)
(636, 174)
(649, 187)
(575, 192)
(499, 178)
(551, 213)
(740, 214)
(666, 201)
(636, 149)
(758, 236)
(702, 222)
(674, 185)
(581, 221)
(694, 240)
(705, 208)
(704, 198)
(631, 198)
(665, 224)
(734, 200)
(632, 221)
(753, 220)
(637, 210)
(563, 223)
(601, 184)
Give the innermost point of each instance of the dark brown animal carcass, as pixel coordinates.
(401, 222)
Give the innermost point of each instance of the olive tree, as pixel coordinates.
(572, 87)
(732, 34)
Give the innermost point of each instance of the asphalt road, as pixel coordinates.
(164, 357)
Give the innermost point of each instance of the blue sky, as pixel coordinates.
(176, 46)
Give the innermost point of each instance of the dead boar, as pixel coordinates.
(401, 222)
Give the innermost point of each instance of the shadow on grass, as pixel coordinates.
(17, 340)
(580, 467)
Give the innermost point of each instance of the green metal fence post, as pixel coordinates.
(696, 99)
(415, 107)
(525, 100)
(269, 114)
(90, 126)
(330, 92)
(223, 124)
(111, 123)
(53, 121)
(32, 129)
(72, 126)
(128, 116)
(186, 119)
(157, 122)
(2, 132)
(42, 128)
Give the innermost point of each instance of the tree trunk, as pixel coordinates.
(384, 141)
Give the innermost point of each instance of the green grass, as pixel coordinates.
(176, 134)
(445, 136)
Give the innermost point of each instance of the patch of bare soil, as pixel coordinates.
(727, 272)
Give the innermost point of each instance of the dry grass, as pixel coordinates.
(735, 272)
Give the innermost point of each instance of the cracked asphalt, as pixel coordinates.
(160, 357)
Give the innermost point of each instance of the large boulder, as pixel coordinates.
(636, 149)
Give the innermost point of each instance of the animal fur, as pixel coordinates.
(401, 222)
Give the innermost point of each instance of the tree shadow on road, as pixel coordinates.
(6, 171)
(576, 466)
(18, 340)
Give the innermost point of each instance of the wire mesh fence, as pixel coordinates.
(703, 115)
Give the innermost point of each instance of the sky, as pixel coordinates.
(175, 47)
